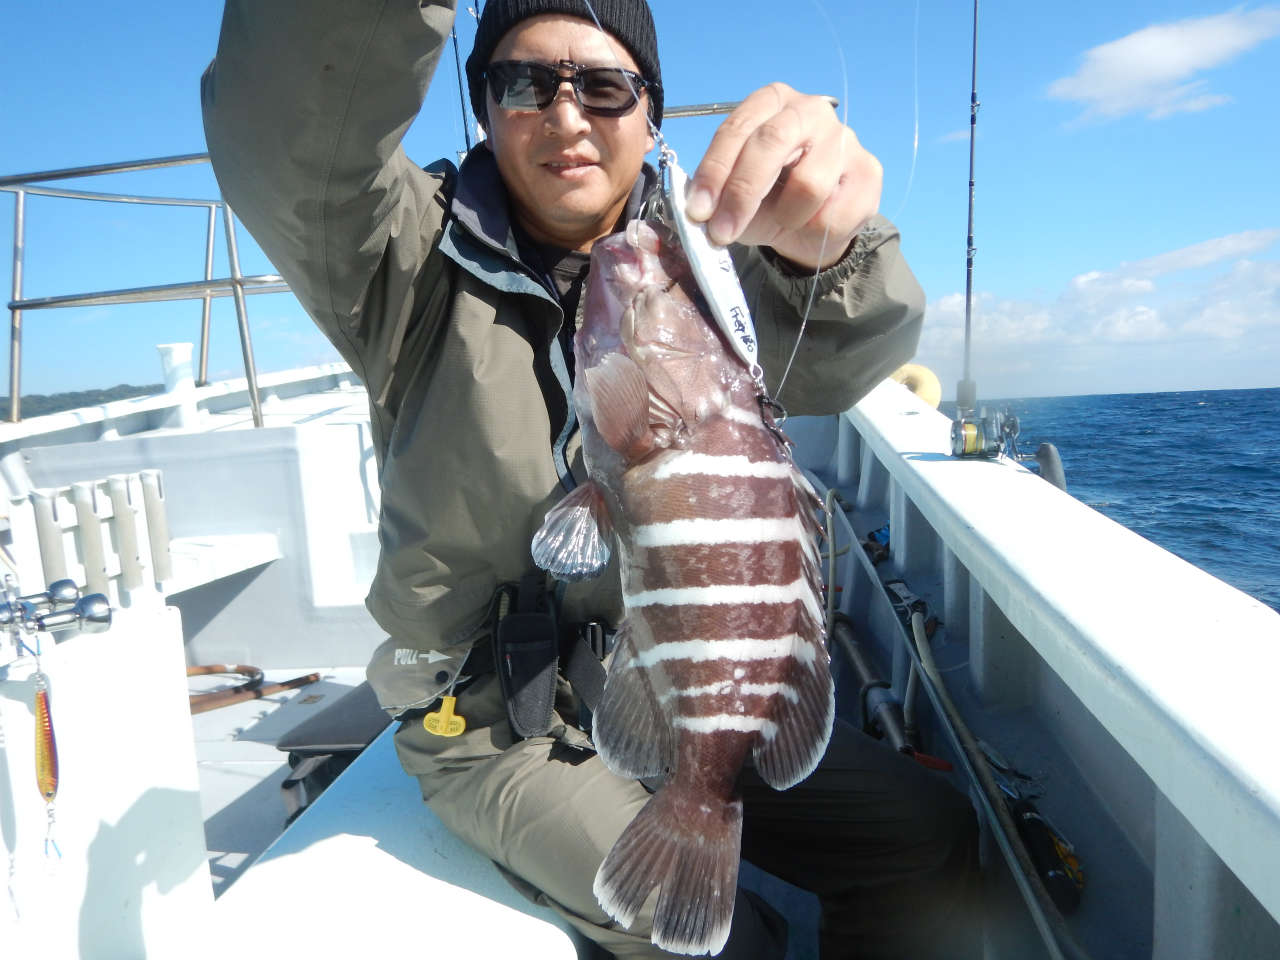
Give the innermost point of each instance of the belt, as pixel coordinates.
(581, 647)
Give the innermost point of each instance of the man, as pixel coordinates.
(454, 294)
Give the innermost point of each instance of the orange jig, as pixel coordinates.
(46, 746)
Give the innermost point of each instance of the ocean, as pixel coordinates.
(1197, 472)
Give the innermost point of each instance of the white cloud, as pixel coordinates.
(1153, 70)
(1120, 330)
(1134, 323)
(1205, 253)
(954, 136)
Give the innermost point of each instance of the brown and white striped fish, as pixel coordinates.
(721, 656)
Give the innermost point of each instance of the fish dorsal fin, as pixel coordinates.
(573, 541)
(631, 729)
(620, 404)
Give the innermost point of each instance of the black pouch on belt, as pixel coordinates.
(526, 650)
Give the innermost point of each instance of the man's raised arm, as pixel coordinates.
(305, 105)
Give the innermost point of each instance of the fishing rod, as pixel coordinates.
(462, 101)
(974, 433)
(967, 389)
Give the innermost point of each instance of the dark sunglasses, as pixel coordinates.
(529, 86)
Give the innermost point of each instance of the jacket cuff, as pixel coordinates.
(793, 281)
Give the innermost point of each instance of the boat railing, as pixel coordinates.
(204, 289)
(1176, 666)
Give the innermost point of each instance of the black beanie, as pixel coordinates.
(629, 21)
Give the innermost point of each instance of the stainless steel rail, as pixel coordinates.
(237, 289)
(23, 184)
(236, 285)
(189, 290)
(711, 109)
(21, 179)
(15, 315)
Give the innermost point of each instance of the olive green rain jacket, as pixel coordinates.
(415, 276)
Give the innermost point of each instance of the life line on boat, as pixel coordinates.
(921, 381)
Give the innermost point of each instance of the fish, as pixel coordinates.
(721, 658)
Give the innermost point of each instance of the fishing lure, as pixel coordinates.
(46, 744)
(46, 748)
(712, 267)
(46, 755)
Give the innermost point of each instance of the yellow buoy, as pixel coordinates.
(921, 381)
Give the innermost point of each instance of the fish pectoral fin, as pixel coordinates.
(620, 404)
(663, 414)
(573, 541)
(630, 728)
(802, 725)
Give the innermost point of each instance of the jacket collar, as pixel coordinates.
(478, 234)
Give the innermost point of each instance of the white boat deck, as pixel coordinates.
(266, 570)
(240, 769)
(374, 873)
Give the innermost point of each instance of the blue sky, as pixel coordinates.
(1128, 219)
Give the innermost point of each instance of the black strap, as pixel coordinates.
(582, 666)
(581, 649)
(526, 649)
(530, 596)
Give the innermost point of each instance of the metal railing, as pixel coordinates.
(205, 290)
(236, 285)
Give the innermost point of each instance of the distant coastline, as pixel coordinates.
(39, 404)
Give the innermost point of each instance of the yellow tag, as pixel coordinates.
(444, 722)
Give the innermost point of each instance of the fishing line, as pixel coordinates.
(826, 233)
(915, 97)
(10, 841)
(617, 62)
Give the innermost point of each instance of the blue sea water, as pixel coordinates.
(1197, 472)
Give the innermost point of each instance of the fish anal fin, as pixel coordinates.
(803, 725)
(573, 541)
(630, 728)
(687, 845)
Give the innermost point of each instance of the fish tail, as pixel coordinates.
(687, 844)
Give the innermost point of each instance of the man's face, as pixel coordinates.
(568, 172)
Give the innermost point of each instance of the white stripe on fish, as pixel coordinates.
(728, 465)
(727, 721)
(799, 589)
(743, 649)
(739, 415)
(696, 531)
(726, 688)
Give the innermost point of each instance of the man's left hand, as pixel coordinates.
(784, 172)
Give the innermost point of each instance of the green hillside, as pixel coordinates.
(38, 404)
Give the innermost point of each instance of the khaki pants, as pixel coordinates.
(889, 848)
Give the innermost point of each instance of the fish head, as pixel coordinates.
(643, 302)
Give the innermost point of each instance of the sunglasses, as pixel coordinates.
(529, 86)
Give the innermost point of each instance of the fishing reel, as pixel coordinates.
(988, 435)
(995, 434)
(60, 607)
